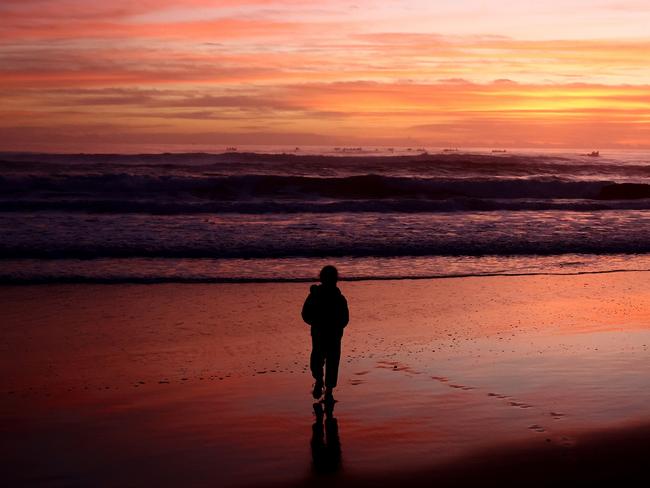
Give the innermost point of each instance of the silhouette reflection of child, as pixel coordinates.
(325, 443)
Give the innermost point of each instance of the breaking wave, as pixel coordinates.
(253, 193)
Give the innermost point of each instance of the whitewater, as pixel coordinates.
(280, 214)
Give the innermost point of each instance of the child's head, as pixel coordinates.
(329, 275)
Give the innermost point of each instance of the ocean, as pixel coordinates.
(279, 214)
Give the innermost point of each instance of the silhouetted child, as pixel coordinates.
(326, 310)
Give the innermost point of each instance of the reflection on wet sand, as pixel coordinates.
(325, 441)
(475, 380)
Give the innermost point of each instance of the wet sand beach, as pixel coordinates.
(495, 380)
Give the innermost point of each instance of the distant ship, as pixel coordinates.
(594, 154)
(499, 150)
(231, 149)
(450, 149)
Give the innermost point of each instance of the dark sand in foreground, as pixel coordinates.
(491, 381)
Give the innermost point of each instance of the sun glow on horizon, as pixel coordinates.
(559, 74)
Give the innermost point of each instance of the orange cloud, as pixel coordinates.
(500, 113)
(209, 30)
(180, 67)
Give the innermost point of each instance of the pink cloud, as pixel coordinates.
(264, 63)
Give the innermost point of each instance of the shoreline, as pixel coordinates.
(228, 281)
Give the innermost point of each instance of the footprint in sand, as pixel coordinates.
(396, 366)
(519, 404)
(498, 395)
(567, 442)
(442, 379)
(511, 403)
(356, 382)
(537, 428)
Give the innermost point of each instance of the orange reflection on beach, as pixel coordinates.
(432, 371)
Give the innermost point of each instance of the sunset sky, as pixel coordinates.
(88, 75)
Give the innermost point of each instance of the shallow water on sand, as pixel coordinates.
(259, 429)
(199, 384)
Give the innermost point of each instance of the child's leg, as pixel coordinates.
(317, 359)
(333, 358)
